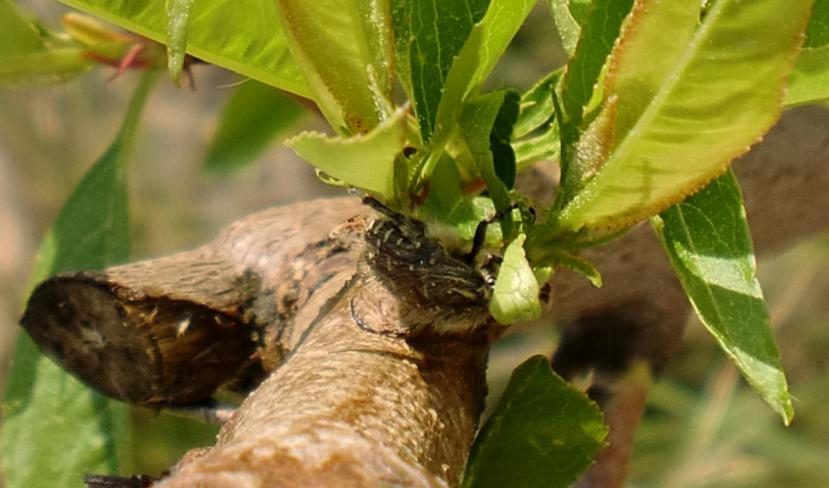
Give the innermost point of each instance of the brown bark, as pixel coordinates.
(368, 393)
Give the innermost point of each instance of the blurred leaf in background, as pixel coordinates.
(254, 116)
(31, 55)
(55, 428)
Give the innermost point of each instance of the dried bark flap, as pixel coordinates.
(142, 349)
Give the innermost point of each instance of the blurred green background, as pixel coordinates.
(703, 428)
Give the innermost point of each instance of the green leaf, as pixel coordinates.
(454, 216)
(569, 16)
(486, 44)
(536, 105)
(809, 79)
(687, 102)
(240, 35)
(25, 57)
(583, 70)
(363, 161)
(536, 134)
(477, 123)
(708, 242)
(544, 146)
(343, 49)
(178, 21)
(18, 35)
(580, 266)
(453, 52)
(254, 115)
(817, 32)
(580, 87)
(438, 31)
(543, 433)
(55, 428)
(46, 67)
(515, 294)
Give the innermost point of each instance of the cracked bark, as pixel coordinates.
(363, 391)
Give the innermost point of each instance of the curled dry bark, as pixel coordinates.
(360, 388)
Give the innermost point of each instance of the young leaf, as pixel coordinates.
(515, 294)
(363, 161)
(542, 433)
(689, 101)
(477, 124)
(708, 242)
(438, 31)
(452, 214)
(344, 51)
(580, 81)
(178, 21)
(535, 135)
(536, 105)
(595, 41)
(485, 44)
(543, 146)
(569, 16)
(55, 428)
(254, 115)
(487, 41)
(240, 35)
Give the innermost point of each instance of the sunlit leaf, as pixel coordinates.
(364, 161)
(55, 428)
(240, 35)
(515, 294)
(178, 21)
(708, 242)
(343, 49)
(688, 101)
(254, 115)
(543, 433)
